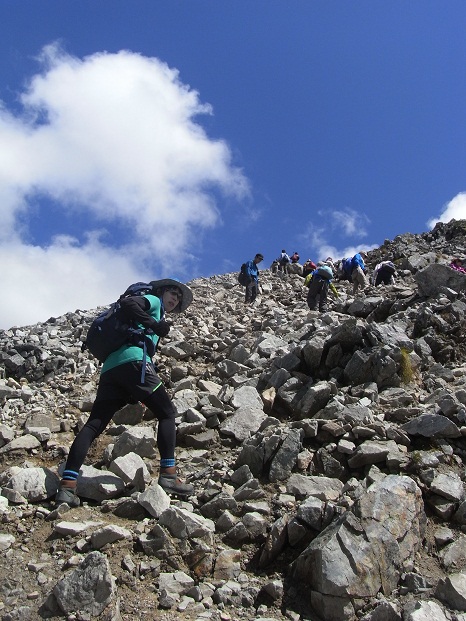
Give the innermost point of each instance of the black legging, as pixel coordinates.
(103, 410)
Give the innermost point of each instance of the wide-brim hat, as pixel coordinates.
(172, 282)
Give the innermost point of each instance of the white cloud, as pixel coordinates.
(48, 282)
(456, 209)
(350, 222)
(324, 249)
(113, 140)
(339, 225)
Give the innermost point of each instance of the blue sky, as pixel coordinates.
(144, 139)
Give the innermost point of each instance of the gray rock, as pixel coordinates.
(250, 490)
(34, 484)
(246, 397)
(315, 398)
(27, 442)
(315, 513)
(433, 278)
(452, 591)
(325, 488)
(227, 564)
(371, 452)
(6, 541)
(449, 486)
(286, 457)
(130, 414)
(6, 434)
(157, 543)
(384, 611)
(428, 611)
(268, 344)
(109, 534)
(395, 540)
(453, 555)
(90, 588)
(140, 440)
(460, 515)
(98, 484)
(184, 524)
(75, 528)
(154, 500)
(243, 423)
(337, 562)
(184, 400)
(129, 468)
(431, 426)
(222, 502)
(41, 433)
(176, 583)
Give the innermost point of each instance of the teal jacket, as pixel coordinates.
(132, 353)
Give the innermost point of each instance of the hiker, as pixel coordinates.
(457, 264)
(319, 282)
(283, 262)
(358, 275)
(308, 267)
(384, 273)
(354, 270)
(121, 381)
(329, 261)
(294, 257)
(252, 280)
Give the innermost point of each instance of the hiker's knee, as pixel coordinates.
(161, 405)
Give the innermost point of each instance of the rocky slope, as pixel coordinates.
(326, 451)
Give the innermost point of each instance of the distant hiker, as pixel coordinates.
(308, 267)
(319, 282)
(354, 270)
(294, 257)
(344, 269)
(457, 264)
(121, 382)
(384, 273)
(329, 261)
(283, 262)
(252, 278)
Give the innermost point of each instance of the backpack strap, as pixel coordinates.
(144, 363)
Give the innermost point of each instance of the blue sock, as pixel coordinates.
(70, 475)
(167, 463)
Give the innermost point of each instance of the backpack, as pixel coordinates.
(243, 275)
(325, 272)
(388, 267)
(347, 267)
(110, 330)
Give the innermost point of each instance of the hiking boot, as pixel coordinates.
(68, 496)
(171, 484)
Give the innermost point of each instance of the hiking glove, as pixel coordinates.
(160, 328)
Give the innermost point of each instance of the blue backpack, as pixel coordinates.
(347, 267)
(110, 330)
